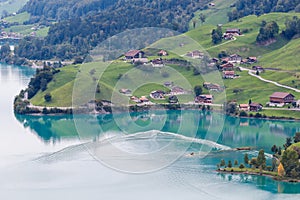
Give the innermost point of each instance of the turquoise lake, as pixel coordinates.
(130, 156)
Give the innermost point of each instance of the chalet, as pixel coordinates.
(140, 60)
(158, 94)
(228, 74)
(227, 67)
(212, 86)
(204, 98)
(258, 68)
(228, 36)
(282, 97)
(235, 58)
(168, 84)
(176, 90)
(255, 107)
(135, 99)
(233, 31)
(132, 54)
(244, 107)
(251, 60)
(225, 60)
(214, 60)
(195, 54)
(162, 53)
(144, 99)
(125, 91)
(157, 63)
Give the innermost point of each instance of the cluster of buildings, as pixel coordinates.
(134, 56)
(276, 99)
(10, 35)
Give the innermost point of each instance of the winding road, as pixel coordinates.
(252, 73)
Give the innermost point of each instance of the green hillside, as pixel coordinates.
(214, 14)
(244, 45)
(248, 87)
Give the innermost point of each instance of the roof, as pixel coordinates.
(255, 104)
(132, 52)
(228, 72)
(280, 95)
(207, 96)
(243, 105)
(232, 30)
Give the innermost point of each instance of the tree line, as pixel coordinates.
(258, 7)
(69, 38)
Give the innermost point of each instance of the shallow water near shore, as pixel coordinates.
(45, 156)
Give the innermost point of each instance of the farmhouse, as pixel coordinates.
(258, 68)
(195, 54)
(204, 98)
(282, 97)
(144, 99)
(176, 90)
(228, 74)
(227, 67)
(255, 107)
(244, 107)
(158, 94)
(162, 53)
(125, 91)
(157, 63)
(212, 86)
(133, 54)
(233, 31)
(235, 58)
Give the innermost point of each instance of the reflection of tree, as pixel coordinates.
(43, 126)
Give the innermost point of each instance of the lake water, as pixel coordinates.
(47, 157)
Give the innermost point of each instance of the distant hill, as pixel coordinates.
(89, 25)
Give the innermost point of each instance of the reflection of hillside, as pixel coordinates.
(50, 129)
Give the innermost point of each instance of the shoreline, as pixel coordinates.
(276, 178)
(38, 110)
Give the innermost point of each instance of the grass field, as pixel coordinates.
(281, 113)
(12, 6)
(19, 18)
(214, 15)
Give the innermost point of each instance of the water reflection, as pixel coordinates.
(237, 132)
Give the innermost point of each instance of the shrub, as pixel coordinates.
(48, 97)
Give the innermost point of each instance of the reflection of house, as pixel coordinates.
(162, 53)
(195, 54)
(255, 107)
(282, 97)
(228, 74)
(125, 91)
(176, 90)
(204, 98)
(212, 86)
(132, 54)
(157, 63)
(244, 107)
(158, 94)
